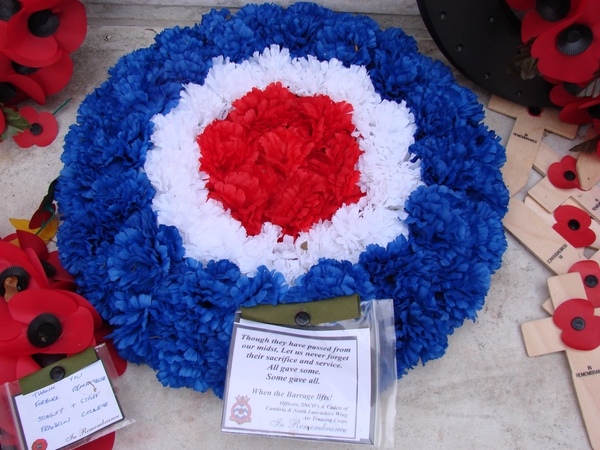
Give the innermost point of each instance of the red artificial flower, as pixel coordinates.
(580, 327)
(43, 131)
(563, 174)
(590, 275)
(15, 87)
(570, 50)
(283, 159)
(573, 224)
(545, 15)
(35, 35)
(576, 110)
(47, 321)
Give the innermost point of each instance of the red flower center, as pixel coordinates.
(283, 159)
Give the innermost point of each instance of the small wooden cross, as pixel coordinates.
(526, 137)
(588, 165)
(543, 336)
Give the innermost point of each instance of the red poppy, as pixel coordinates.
(580, 327)
(47, 321)
(2, 122)
(43, 131)
(35, 34)
(545, 15)
(563, 174)
(573, 224)
(55, 77)
(568, 51)
(283, 159)
(576, 110)
(15, 87)
(590, 275)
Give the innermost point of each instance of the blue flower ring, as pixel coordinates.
(174, 312)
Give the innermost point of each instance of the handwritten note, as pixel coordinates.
(69, 410)
(287, 382)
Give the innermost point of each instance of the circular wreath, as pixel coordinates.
(174, 312)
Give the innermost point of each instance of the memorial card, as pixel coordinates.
(299, 383)
(68, 410)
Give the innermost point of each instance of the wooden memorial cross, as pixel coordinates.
(544, 336)
(526, 137)
(588, 165)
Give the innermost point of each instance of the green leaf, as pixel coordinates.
(15, 122)
(590, 146)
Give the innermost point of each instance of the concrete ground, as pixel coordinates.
(484, 393)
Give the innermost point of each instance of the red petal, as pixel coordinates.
(25, 45)
(28, 86)
(572, 113)
(560, 97)
(26, 366)
(26, 305)
(533, 25)
(586, 269)
(73, 27)
(557, 170)
(105, 442)
(81, 301)
(37, 265)
(55, 77)
(34, 242)
(49, 129)
(9, 328)
(8, 370)
(521, 5)
(2, 122)
(61, 273)
(11, 255)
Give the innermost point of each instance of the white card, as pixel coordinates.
(299, 383)
(69, 410)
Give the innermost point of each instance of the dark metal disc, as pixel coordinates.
(480, 38)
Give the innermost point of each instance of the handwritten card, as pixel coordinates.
(68, 410)
(298, 383)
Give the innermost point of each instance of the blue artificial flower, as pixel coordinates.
(176, 314)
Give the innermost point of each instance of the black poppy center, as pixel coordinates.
(569, 175)
(578, 323)
(44, 330)
(591, 281)
(36, 129)
(572, 88)
(553, 10)
(43, 23)
(7, 92)
(574, 224)
(594, 111)
(23, 70)
(19, 273)
(574, 39)
(8, 8)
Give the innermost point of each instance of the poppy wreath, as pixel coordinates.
(36, 39)
(562, 37)
(413, 209)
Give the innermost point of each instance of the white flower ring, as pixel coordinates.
(384, 131)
